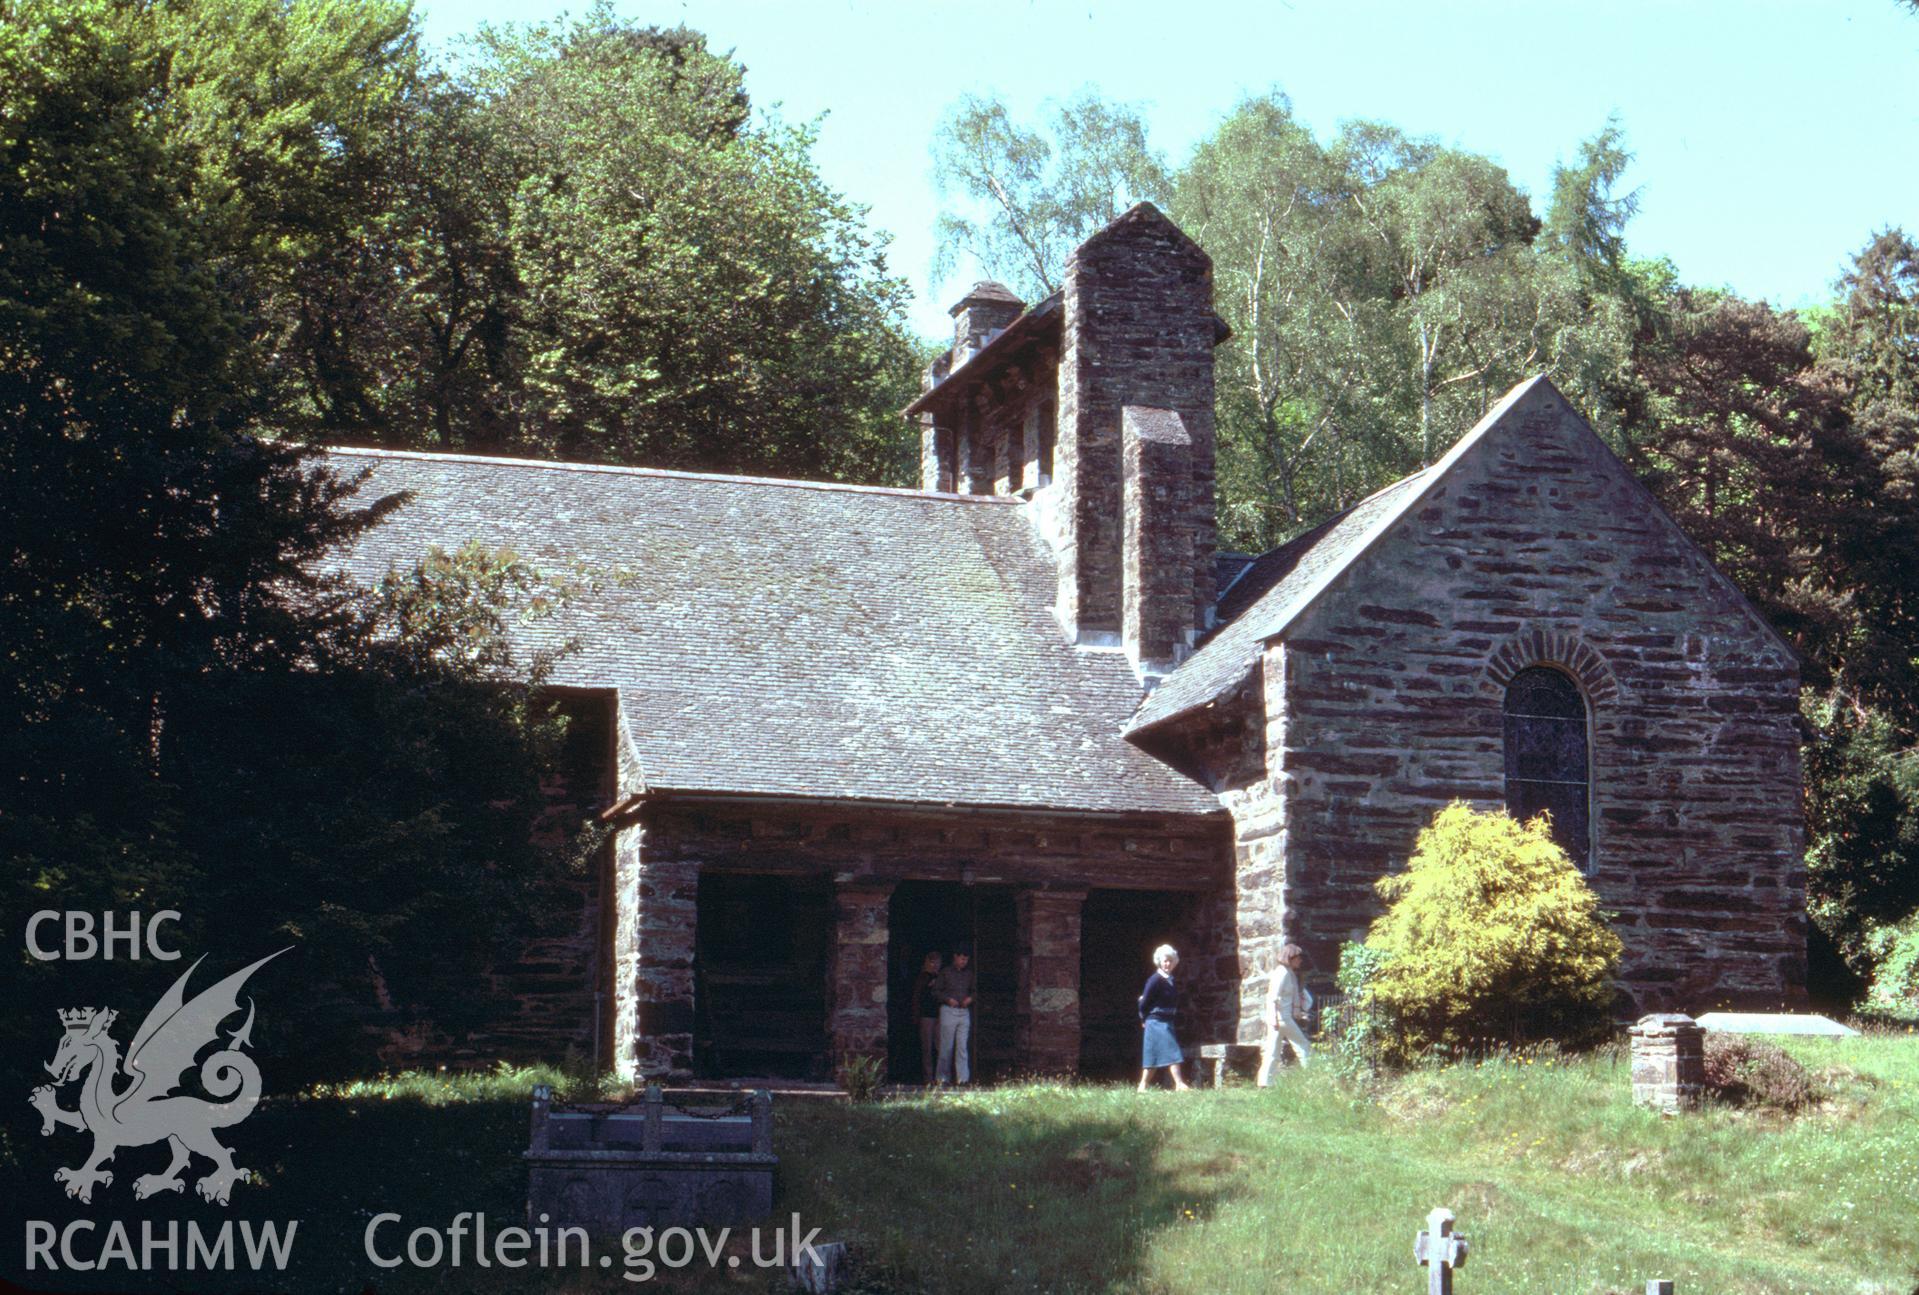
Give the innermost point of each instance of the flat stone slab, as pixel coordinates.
(1775, 1023)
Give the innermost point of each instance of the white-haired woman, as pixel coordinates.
(1158, 1009)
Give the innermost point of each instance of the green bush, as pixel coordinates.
(1491, 937)
(1354, 1026)
(861, 1076)
(1747, 1072)
(1895, 979)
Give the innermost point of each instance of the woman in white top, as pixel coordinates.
(1286, 1000)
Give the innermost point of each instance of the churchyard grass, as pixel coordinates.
(1559, 1183)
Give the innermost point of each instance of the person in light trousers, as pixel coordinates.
(954, 990)
(1286, 1001)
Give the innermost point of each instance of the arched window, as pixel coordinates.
(1546, 757)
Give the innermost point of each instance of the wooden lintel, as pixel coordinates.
(623, 807)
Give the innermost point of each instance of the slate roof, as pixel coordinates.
(787, 638)
(1267, 597)
(1227, 569)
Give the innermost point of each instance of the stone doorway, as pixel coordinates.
(1119, 931)
(926, 915)
(762, 951)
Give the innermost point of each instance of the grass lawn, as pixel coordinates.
(1560, 1184)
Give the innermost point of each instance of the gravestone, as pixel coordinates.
(1776, 1023)
(684, 1159)
(1441, 1251)
(1668, 1062)
(823, 1271)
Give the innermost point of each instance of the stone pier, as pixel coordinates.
(1668, 1062)
(856, 1007)
(1048, 1026)
(657, 905)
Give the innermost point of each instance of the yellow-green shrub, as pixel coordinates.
(1490, 936)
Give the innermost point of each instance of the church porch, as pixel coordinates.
(759, 936)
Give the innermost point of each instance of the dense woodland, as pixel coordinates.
(231, 228)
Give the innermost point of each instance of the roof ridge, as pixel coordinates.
(557, 465)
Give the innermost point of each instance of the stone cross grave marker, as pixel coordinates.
(1440, 1251)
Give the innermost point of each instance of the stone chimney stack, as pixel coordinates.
(982, 312)
(1134, 462)
(936, 442)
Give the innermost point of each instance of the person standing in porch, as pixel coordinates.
(1286, 1001)
(926, 1013)
(954, 991)
(1158, 1009)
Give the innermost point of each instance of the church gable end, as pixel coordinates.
(1532, 548)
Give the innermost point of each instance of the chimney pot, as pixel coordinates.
(986, 309)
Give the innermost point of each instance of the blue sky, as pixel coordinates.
(1771, 137)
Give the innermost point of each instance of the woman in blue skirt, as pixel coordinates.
(1158, 1009)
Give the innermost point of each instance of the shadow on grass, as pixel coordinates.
(330, 1165)
(989, 1192)
(996, 1191)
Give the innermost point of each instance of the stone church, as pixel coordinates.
(1029, 706)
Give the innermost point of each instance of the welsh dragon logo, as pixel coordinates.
(147, 1110)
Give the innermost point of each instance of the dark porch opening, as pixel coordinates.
(925, 915)
(761, 956)
(1119, 931)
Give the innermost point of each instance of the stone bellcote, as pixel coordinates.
(1096, 404)
(1135, 453)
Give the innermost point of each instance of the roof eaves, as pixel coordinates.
(1205, 808)
(1135, 730)
(1014, 334)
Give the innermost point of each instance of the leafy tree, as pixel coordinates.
(1789, 457)
(1383, 292)
(1862, 823)
(688, 293)
(580, 241)
(1490, 936)
(1863, 765)
(1297, 385)
(397, 853)
(288, 116)
(1737, 444)
(1869, 363)
(173, 644)
(1452, 233)
(1584, 220)
(1895, 982)
(1031, 195)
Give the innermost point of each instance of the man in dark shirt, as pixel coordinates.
(954, 990)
